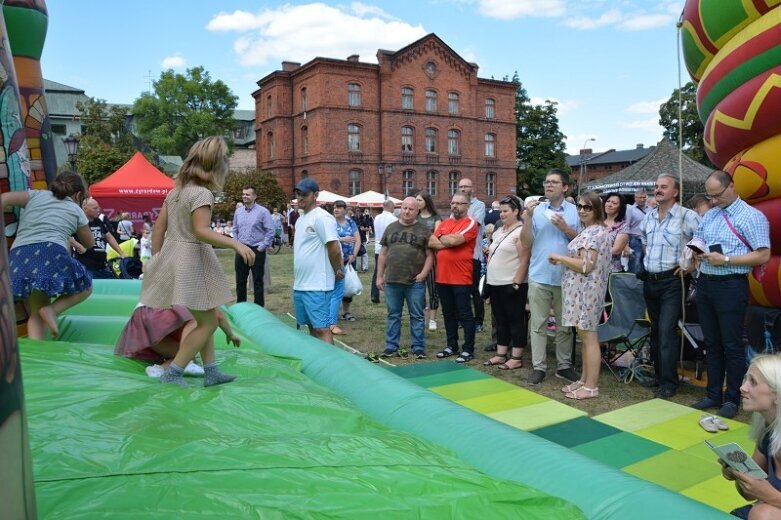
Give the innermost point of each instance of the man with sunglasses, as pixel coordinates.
(554, 224)
(665, 230)
(738, 237)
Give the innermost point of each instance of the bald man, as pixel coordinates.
(94, 258)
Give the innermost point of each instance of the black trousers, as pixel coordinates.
(508, 309)
(242, 273)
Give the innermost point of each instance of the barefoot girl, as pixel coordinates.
(183, 269)
(41, 265)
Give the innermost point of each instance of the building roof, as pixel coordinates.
(664, 158)
(244, 115)
(53, 86)
(609, 157)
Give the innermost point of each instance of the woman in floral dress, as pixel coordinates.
(583, 288)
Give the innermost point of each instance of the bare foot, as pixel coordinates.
(49, 318)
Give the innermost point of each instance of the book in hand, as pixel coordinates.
(736, 458)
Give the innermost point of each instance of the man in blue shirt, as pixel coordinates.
(548, 228)
(253, 227)
(738, 238)
(477, 212)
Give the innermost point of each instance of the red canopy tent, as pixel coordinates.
(137, 187)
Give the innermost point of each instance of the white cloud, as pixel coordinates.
(303, 32)
(641, 22)
(512, 9)
(176, 61)
(651, 124)
(584, 22)
(562, 107)
(646, 107)
(635, 21)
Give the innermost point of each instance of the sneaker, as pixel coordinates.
(388, 352)
(432, 324)
(154, 371)
(479, 327)
(403, 353)
(568, 374)
(728, 410)
(705, 403)
(419, 353)
(193, 369)
(372, 356)
(536, 377)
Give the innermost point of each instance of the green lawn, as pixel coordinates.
(367, 334)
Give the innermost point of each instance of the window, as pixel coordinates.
(452, 103)
(431, 183)
(490, 145)
(431, 101)
(303, 99)
(304, 140)
(490, 108)
(431, 140)
(354, 182)
(58, 129)
(407, 101)
(353, 138)
(453, 138)
(407, 182)
(490, 184)
(407, 136)
(238, 132)
(354, 94)
(270, 145)
(452, 183)
(268, 106)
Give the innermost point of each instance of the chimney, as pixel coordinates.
(586, 151)
(640, 146)
(353, 57)
(289, 66)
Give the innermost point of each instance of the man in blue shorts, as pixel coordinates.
(317, 262)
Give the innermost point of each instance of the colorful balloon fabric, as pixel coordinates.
(732, 51)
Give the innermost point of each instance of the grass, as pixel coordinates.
(367, 334)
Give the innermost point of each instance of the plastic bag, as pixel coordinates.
(352, 283)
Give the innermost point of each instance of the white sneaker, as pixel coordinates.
(154, 371)
(432, 324)
(193, 369)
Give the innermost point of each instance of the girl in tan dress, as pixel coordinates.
(183, 269)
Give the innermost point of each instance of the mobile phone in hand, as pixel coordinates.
(715, 248)
(696, 249)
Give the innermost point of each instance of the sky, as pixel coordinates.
(608, 64)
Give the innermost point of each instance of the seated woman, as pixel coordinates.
(154, 335)
(760, 395)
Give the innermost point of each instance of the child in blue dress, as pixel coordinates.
(41, 266)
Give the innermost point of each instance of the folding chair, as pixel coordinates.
(627, 327)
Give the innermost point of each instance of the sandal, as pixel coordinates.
(464, 357)
(506, 366)
(348, 317)
(583, 393)
(491, 363)
(712, 424)
(572, 387)
(335, 330)
(446, 352)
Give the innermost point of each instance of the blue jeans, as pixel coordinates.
(456, 304)
(336, 301)
(721, 305)
(395, 296)
(663, 301)
(636, 259)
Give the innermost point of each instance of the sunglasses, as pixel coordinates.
(584, 207)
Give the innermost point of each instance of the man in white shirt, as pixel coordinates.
(317, 262)
(381, 222)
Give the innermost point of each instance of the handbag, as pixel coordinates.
(482, 285)
(758, 271)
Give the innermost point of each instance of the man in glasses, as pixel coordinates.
(738, 237)
(554, 224)
(665, 230)
(477, 213)
(317, 262)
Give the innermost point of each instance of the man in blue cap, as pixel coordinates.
(317, 262)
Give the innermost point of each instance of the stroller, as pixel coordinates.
(128, 268)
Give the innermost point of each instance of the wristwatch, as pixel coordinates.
(726, 260)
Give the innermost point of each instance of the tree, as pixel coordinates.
(693, 130)
(183, 109)
(539, 141)
(106, 143)
(270, 194)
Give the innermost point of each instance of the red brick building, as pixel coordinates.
(419, 119)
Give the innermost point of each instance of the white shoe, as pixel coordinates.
(154, 371)
(193, 369)
(432, 324)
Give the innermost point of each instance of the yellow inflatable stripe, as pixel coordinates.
(765, 23)
(747, 121)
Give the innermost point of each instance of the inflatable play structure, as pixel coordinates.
(731, 49)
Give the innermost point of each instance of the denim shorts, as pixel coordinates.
(312, 308)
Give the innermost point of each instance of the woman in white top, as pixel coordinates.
(506, 287)
(125, 228)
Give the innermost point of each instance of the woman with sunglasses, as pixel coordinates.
(583, 288)
(506, 270)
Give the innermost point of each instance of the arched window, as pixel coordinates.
(431, 182)
(354, 94)
(303, 99)
(354, 182)
(431, 140)
(453, 179)
(407, 138)
(270, 142)
(431, 101)
(407, 100)
(490, 145)
(452, 103)
(304, 140)
(490, 184)
(453, 142)
(353, 138)
(490, 108)
(407, 182)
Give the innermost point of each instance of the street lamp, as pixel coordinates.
(72, 147)
(385, 171)
(583, 162)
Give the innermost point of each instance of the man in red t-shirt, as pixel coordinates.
(454, 243)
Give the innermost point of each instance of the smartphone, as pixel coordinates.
(695, 249)
(542, 199)
(715, 248)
